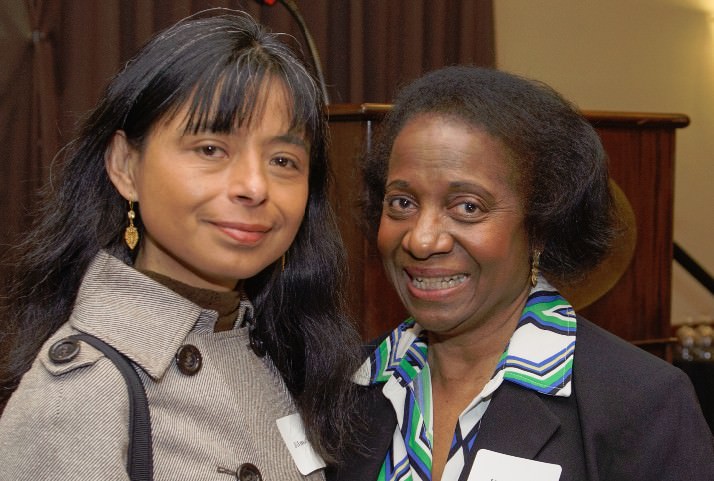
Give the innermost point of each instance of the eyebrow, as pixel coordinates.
(287, 138)
(397, 184)
(292, 139)
(459, 185)
(456, 185)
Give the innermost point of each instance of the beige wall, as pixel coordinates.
(633, 55)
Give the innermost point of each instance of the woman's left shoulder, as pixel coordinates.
(600, 352)
(640, 406)
(611, 371)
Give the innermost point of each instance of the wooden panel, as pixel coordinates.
(344, 156)
(641, 151)
(641, 162)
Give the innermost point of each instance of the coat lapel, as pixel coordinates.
(517, 422)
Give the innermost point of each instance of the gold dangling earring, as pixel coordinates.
(283, 264)
(535, 264)
(131, 234)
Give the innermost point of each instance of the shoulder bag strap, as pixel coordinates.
(139, 457)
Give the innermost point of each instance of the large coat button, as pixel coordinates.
(64, 350)
(248, 472)
(189, 360)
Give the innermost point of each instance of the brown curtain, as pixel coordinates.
(56, 56)
(28, 108)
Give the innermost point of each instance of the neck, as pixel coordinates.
(472, 356)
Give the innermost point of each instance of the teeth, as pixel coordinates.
(435, 283)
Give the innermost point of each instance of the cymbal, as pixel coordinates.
(604, 277)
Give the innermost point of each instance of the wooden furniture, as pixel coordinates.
(641, 152)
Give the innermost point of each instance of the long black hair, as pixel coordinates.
(217, 65)
(561, 166)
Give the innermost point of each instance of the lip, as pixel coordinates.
(242, 233)
(434, 284)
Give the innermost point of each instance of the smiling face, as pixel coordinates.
(216, 207)
(451, 233)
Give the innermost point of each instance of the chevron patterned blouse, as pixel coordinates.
(539, 356)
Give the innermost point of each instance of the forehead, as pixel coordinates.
(438, 142)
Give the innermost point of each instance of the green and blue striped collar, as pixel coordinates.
(539, 355)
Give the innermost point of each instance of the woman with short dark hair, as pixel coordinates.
(482, 188)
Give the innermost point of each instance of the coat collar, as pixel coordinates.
(136, 315)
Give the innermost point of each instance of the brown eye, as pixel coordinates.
(467, 209)
(282, 161)
(399, 206)
(404, 203)
(211, 151)
(470, 207)
(398, 203)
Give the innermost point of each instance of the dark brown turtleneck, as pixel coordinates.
(225, 303)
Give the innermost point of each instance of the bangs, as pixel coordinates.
(217, 72)
(236, 96)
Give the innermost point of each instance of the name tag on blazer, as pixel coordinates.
(293, 433)
(493, 466)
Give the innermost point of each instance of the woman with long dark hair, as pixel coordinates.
(189, 229)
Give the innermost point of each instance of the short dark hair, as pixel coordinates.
(217, 65)
(557, 155)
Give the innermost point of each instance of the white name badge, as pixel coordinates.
(493, 466)
(293, 433)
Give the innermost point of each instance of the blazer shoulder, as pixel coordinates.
(618, 384)
(601, 354)
(639, 415)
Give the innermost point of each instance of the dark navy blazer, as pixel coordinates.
(631, 417)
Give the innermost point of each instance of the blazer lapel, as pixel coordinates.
(517, 422)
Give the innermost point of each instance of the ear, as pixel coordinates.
(120, 160)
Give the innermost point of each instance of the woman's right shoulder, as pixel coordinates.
(67, 376)
(71, 395)
(67, 370)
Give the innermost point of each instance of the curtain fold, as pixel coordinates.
(43, 16)
(28, 113)
(57, 55)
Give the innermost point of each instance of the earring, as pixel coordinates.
(534, 267)
(283, 264)
(131, 234)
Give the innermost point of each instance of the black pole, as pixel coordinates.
(292, 7)
(693, 268)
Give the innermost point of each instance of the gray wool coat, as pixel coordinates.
(69, 421)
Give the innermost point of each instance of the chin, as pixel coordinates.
(435, 323)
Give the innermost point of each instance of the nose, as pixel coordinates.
(248, 182)
(428, 236)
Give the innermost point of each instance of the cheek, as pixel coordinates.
(293, 203)
(388, 237)
(506, 246)
(159, 185)
(160, 214)
(295, 220)
(161, 199)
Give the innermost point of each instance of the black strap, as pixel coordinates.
(139, 457)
